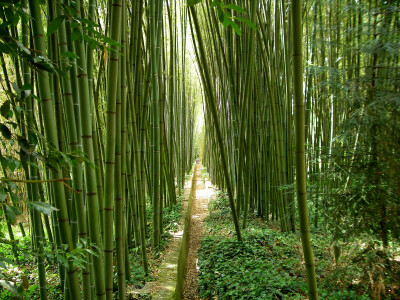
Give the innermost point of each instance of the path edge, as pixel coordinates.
(184, 250)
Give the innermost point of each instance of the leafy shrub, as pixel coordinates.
(367, 269)
(220, 203)
(171, 216)
(254, 269)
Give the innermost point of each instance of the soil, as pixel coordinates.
(199, 212)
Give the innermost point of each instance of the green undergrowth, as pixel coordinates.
(19, 279)
(171, 216)
(269, 264)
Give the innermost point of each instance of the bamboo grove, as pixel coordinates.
(351, 97)
(97, 121)
(254, 126)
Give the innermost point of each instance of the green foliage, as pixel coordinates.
(270, 265)
(171, 216)
(367, 269)
(262, 266)
(24, 252)
(358, 185)
(15, 282)
(193, 2)
(5, 131)
(204, 173)
(341, 295)
(225, 17)
(31, 292)
(11, 213)
(220, 203)
(55, 24)
(14, 14)
(138, 275)
(42, 207)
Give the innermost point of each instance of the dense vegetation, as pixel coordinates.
(293, 106)
(269, 264)
(28, 275)
(86, 139)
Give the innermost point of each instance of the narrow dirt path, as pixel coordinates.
(199, 212)
(165, 273)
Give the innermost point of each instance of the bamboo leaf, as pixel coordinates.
(234, 7)
(88, 22)
(76, 35)
(227, 22)
(248, 22)
(9, 286)
(3, 194)
(5, 109)
(110, 41)
(16, 89)
(5, 48)
(11, 213)
(12, 17)
(12, 165)
(55, 24)
(27, 87)
(69, 54)
(236, 28)
(43, 63)
(221, 15)
(193, 2)
(22, 47)
(23, 143)
(5, 131)
(42, 207)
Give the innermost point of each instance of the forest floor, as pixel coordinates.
(269, 264)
